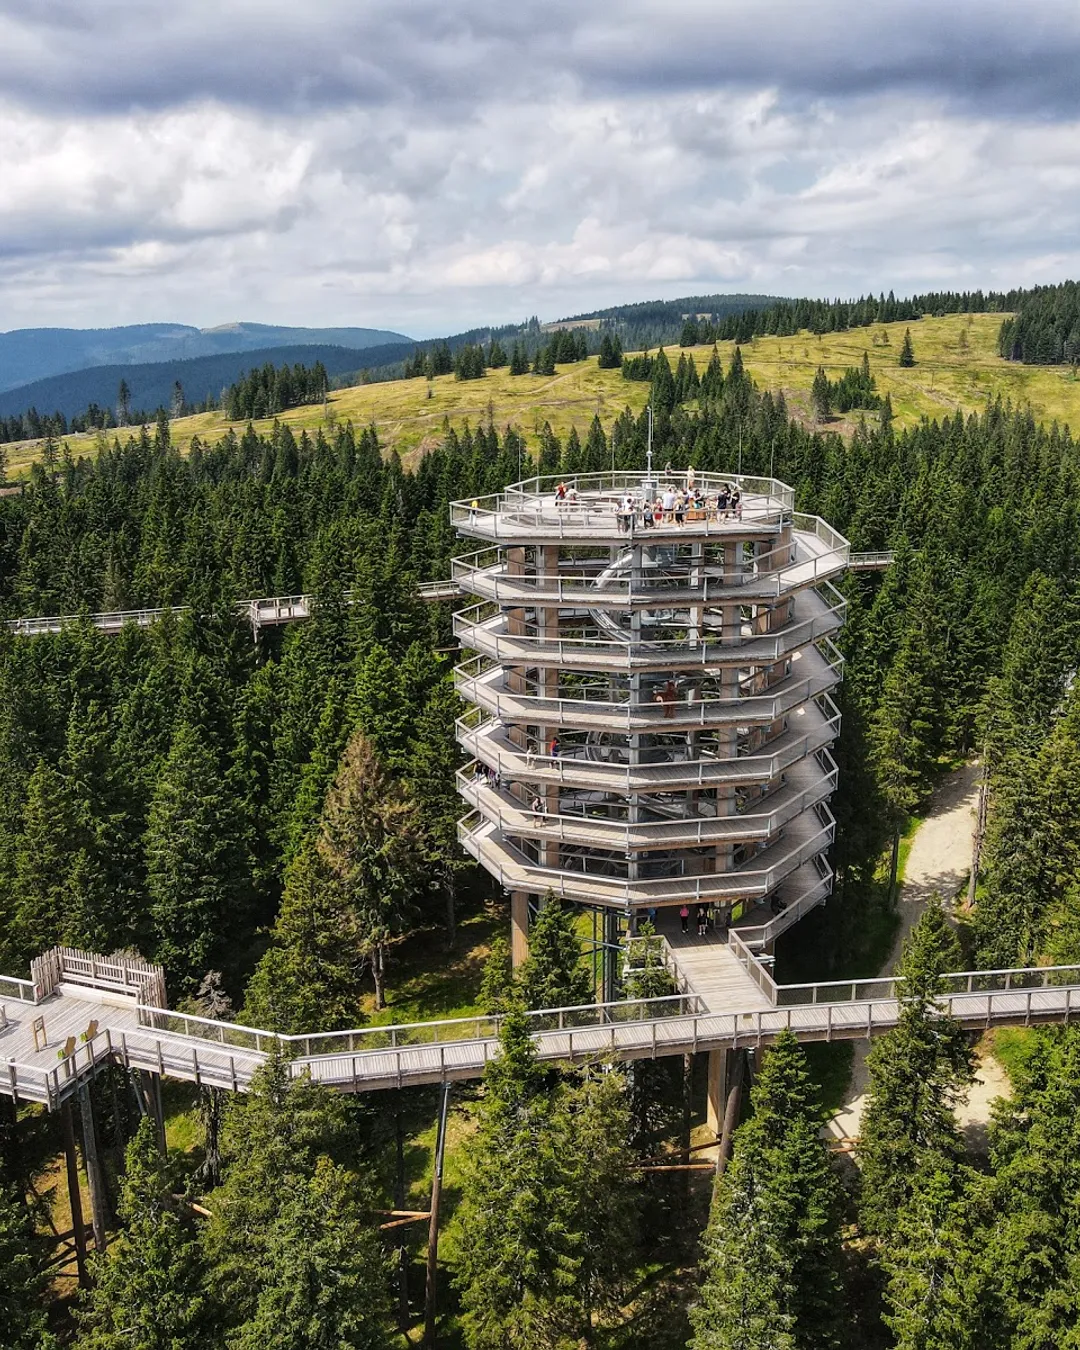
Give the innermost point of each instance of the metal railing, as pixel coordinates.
(753, 967)
(515, 871)
(22, 991)
(604, 831)
(488, 742)
(657, 943)
(505, 516)
(489, 633)
(760, 935)
(959, 982)
(392, 1056)
(482, 681)
(487, 572)
(872, 562)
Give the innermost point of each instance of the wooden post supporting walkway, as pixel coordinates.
(519, 928)
(732, 1110)
(430, 1312)
(95, 1175)
(716, 1094)
(78, 1223)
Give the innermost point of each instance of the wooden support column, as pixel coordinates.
(519, 928)
(95, 1175)
(149, 1096)
(430, 1308)
(78, 1223)
(716, 1099)
(731, 1110)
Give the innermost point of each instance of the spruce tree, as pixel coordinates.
(772, 1263)
(497, 988)
(821, 395)
(148, 1289)
(193, 860)
(324, 1285)
(919, 1071)
(22, 1282)
(310, 977)
(434, 757)
(907, 350)
(554, 975)
(42, 863)
(298, 1253)
(547, 1228)
(662, 391)
(1032, 1234)
(937, 1289)
(370, 843)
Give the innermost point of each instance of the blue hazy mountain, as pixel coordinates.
(202, 377)
(30, 354)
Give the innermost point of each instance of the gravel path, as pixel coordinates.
(939, 860)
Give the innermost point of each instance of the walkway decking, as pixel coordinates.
(734, 1002)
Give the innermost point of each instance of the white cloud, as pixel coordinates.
(429, 167)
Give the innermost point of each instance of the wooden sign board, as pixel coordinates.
(40, 1040)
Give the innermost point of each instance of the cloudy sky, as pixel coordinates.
(426, 165)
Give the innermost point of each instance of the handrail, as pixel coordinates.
(481, 742)
(966, 981)
(23, 991)
(233, 1035)
(762, 706)
(975, 998)
(752, 966)
(746, 881)
(648, 587)
(759, 935)
(519, 818)
(491, 634)
(620, 480)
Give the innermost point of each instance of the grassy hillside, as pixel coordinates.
(957, 367)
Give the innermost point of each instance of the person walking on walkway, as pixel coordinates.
(684, 918)
(702, 921)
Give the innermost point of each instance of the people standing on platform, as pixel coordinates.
(560, 493)
(553, 748)
(684, 918)
(736, 503)
(667, 501)
(539, 811)
(702, 921)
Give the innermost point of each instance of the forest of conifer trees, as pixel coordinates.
(273, 820)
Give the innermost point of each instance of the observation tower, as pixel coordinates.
(651, 714)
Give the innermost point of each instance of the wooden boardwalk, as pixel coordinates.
(732, 1001)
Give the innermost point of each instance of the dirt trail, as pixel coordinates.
(939, 860)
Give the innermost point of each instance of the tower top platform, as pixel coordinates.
(588, 508)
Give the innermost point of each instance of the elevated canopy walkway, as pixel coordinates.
(81, 1011)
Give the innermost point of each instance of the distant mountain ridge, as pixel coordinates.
(28, 355)
(151, 383)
